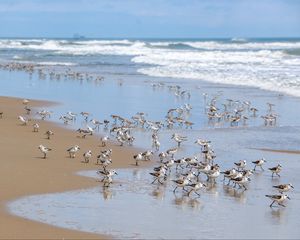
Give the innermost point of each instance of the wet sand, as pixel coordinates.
(23, 172)
(278, 150)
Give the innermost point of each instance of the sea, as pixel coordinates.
(137, 75)
(271, 64)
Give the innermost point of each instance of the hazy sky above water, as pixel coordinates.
(150, 18)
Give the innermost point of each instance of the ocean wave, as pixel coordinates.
(126, 46)
(273, 65)
(56, 63)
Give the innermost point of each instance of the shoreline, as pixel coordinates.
(25, 173)
(277, 150)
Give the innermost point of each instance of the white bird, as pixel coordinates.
(25, 101)
(147, 154)
(181, 183)
(171, 152)
(156, 144)
(36, 127)
(179, 139)
(276, 170)
(106, 173)
(87, 155)
(138, 157)
(240, 181)
(279, 199)
(73, 150)
(104, 140)
(195, 187)
(259, 163)
(283, 187)
(241, 164)
(44, 150)
(24, 120)
(49, 133)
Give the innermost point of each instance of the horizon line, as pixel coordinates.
(82, 37)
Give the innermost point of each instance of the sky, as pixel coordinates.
(150, 18)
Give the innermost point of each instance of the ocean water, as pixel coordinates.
(270, 64)
(242, 69)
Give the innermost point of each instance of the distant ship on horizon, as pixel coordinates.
(78, 36)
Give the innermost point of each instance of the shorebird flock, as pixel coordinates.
(189, 171)
(191, 174)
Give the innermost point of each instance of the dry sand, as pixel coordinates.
(23, 171)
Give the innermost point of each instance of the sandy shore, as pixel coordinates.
(278, 150)
(23, 171)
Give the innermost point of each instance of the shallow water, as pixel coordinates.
(134, 208)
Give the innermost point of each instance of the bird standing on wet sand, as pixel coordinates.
(36, 127)
(279, 199)
(283, 187)
(87, 155)
(181, 183)
(259, 163)
(138, 157)
(49, 133)
(241, 164)
(195, 187)
(44, 150)
(23, 120)
(73, 150)
(276, 170)
(104, 140)
(179, 139)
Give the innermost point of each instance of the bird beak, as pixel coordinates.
(292, 186)
(288, 197)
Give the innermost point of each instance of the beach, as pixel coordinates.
(60, 197)
(24, 172)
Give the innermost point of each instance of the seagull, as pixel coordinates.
(44, 150)
(276, 170)
(72, 151)
(278, 198)
(259, 163)
(284, 187)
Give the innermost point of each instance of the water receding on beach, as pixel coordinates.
(133, 207)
